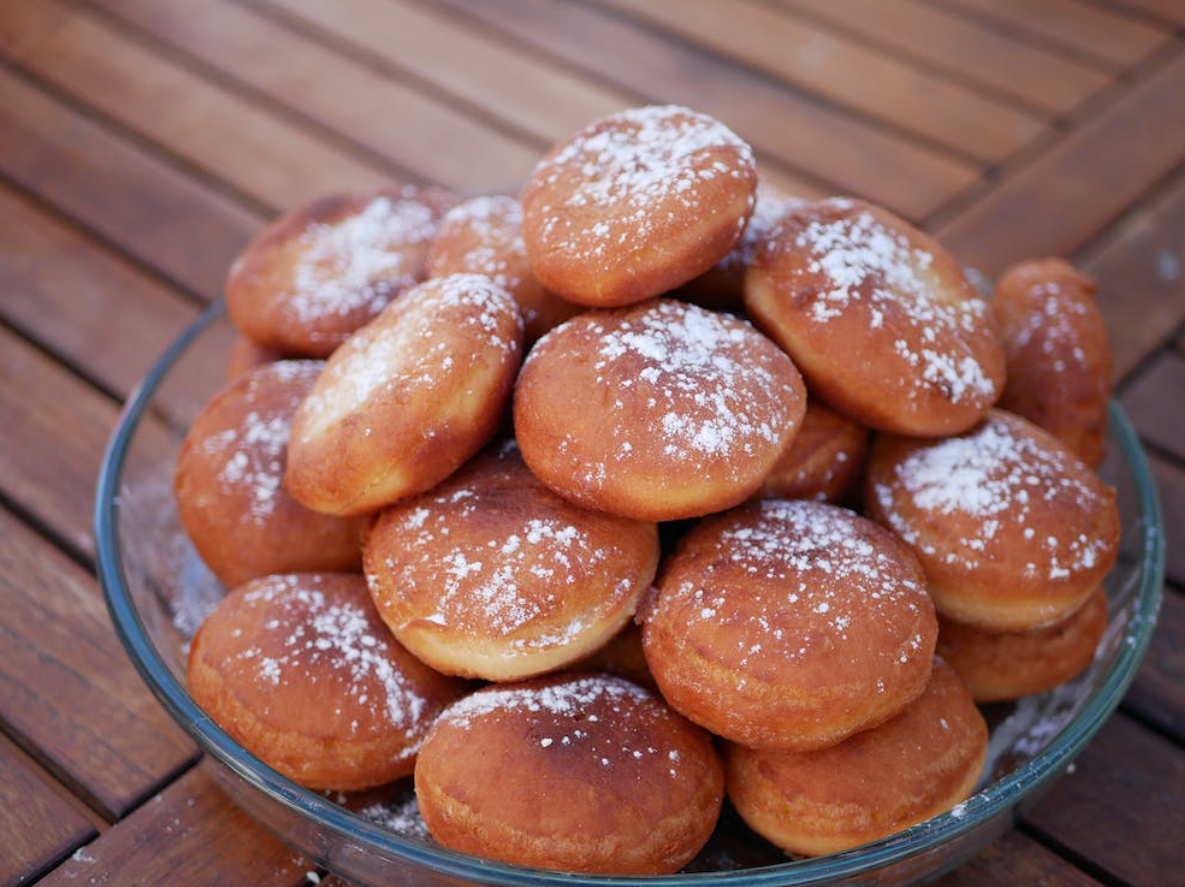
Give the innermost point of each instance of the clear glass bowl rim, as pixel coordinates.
(995, 800)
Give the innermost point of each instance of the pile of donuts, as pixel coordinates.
(588, 507)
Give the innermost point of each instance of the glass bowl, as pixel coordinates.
(156, 589)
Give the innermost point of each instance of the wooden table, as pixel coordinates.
(143, 141)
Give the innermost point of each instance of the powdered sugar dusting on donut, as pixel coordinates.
(413, 354)
(861, 261)
(696, 373)
(359, 261)
(994, 474)
(317, 634)
(253, 454)
(767, 210)
(633, 162)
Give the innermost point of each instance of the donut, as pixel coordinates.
(316, 274)
(622, 656)
(574, 772)
(245, 356)
(790, 624)
(636, 204)
(301, 671)
(824, 459)
(879, 317)
(658, 411)
(722, 287)
(492, 575)
(1013, 531)
(229, 492)
(998, 666)
(1059, 359)
(408, 398)
(915, 766)
(485, 236)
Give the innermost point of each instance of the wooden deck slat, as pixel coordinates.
(50, 271)
(186, 229)
(259, 153)
(1168, 10)
(1170, 482)
(68, 687)
(1016, 859)
(1111, 39)
(1140, 268)
(428, 137)
(857, 157)
(189, 834)
(955, 46)
(1145, 400)
(37, 825)
(1122, 807)
(840, 70)
(1071, 192)
(1158, 692)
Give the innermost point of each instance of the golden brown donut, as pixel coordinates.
(300, 670)
(622, 656)
(636, 204)
(790, 624)
(823, 460)
(722, 287)
(245, 356)
(492, 575)
(575, 772)
(1059, 358)
(485, 236)
(228, 484)
(316, 274)
(657, 412)
(1014, 532)
(1008, 665)
(409, 398)
(917, 765)
(880, 318)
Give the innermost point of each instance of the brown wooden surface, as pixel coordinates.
(142, 143)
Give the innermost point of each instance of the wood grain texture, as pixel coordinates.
(847, 73)
(1106, 36)
(261, 154)
(1158, 692)
(1170, 482)
(1161, 383)
(1140, 268)
(961, 49)
(1066, 195)
(845, 153)
(1168, 11)
(38, 826)
(68, 689)
(429, 138)
(185, 229)
(1121, 808)
(189, 834)
(1016, 859)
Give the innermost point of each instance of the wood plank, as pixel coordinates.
(1167, 10)
(1158, 692)
(260, 153)
(1122, 809)
(1150, 401)
(69, 692)
(543, 99)
(189, 834)
(426, 136)
(840, 70)
(840, 150)
(960, 48)
(1170, 483)
(1072, 191)
(1139, 268)
(67, 292)
(1017, 859)
(1113, 40)
(185, 229)
(38, 825)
